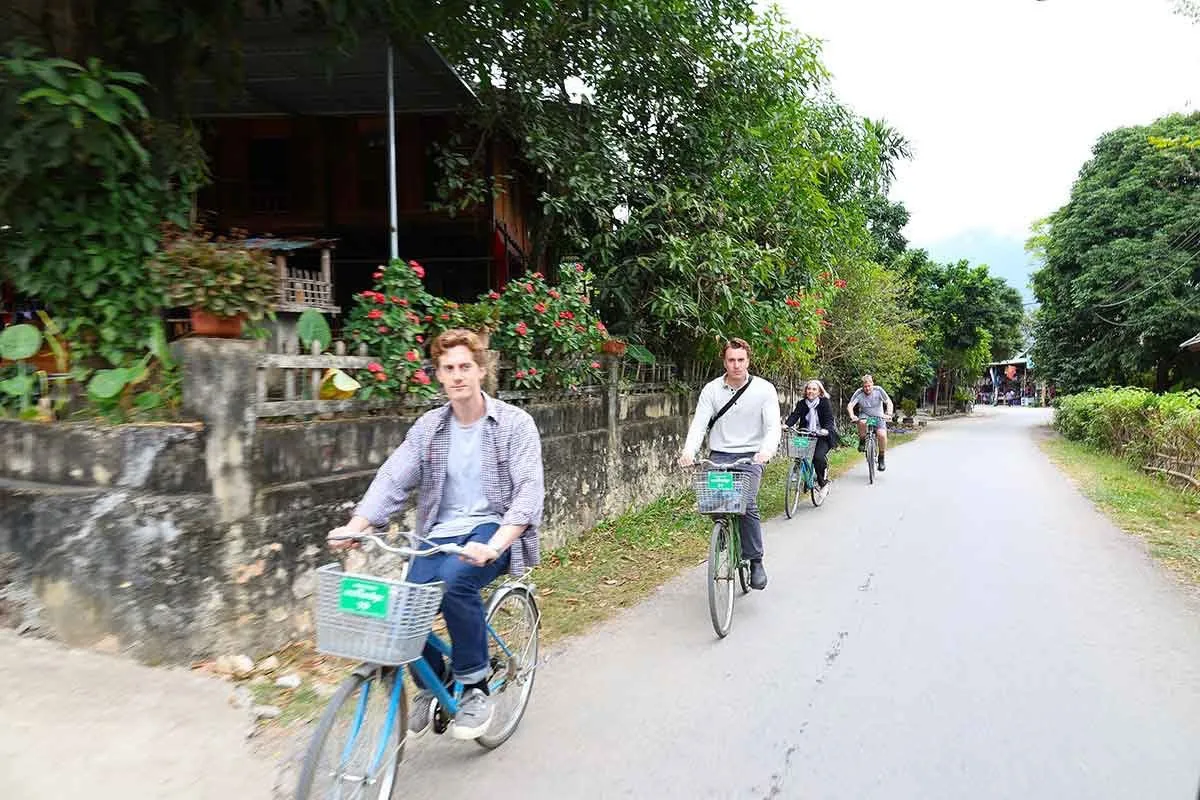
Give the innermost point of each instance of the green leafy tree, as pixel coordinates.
(1119, 288)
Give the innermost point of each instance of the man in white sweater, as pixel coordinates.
(749, 428)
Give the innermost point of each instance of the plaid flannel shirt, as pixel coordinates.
(512, 475)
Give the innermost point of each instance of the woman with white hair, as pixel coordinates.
(815, 413)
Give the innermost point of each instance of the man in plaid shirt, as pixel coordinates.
(477, 464)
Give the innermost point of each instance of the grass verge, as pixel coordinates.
(1168, 518)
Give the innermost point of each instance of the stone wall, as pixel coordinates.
(176, 541)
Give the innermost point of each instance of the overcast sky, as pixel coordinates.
(1002, 101)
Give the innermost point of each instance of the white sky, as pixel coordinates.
(1001, 99)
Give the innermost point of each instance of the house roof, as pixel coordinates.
(296, 73)
(1191, 344)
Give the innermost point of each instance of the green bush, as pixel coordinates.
(1132, 423)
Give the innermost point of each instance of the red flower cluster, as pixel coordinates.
(493, 295)
(567, 315)
(820, 312)
(793, 302)
(417, 268)
(377, 297)
(412, 355)
(839, 283)
(374, 313)
(554, 293)
(420, 377)
(539, 308)
(522, 328)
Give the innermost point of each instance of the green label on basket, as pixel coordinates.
(720, 480)
(800, 441)
(365, 598)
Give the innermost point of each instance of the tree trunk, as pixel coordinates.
(1162, 376)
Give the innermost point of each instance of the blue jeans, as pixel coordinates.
(462, 605)
(751, 522)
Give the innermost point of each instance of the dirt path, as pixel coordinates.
(79, 724)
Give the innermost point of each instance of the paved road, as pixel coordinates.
(969, 627)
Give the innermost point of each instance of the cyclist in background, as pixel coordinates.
(872, 401)
(815, 413)
(739, 414)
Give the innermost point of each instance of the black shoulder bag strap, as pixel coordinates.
(728, 405)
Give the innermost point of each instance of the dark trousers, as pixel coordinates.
(820, 461)
(462, 605)
(751, 522)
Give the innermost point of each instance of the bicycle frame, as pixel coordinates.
(421, 669)
(735, 542)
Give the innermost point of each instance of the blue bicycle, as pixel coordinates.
(356, 751)
(799, 445)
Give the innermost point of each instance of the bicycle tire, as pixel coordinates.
(347, 698)
(818, 496)
(792, 490)
(870, 456)
(720, 607)
(526, 668)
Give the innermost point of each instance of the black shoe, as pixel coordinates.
(882, 466)
(862, 445)
(758, 575)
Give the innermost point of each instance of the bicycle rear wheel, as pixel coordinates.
(793, 489)
(814, 490)
(870, 456)
(357, 748)
(720, 579)
(513, 616)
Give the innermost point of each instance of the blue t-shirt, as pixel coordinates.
(464, 505)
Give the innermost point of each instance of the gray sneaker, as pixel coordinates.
(473, 717)
(420, 713)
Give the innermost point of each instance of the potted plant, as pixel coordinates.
(613, 347)
(909, 407)
(223, 284)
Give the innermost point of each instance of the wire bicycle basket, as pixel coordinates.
(799, 445)
(364, 618)
(721, 491)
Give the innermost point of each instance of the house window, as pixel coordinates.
(372, 170)
(270, 175)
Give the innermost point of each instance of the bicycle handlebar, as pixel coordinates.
(409, 552)
(701, 462)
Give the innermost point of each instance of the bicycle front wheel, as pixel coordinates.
(871, 456)
(359, 742)
(793, 490)
(720, 579)
(513, 644)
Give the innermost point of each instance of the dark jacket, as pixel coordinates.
(824, 414)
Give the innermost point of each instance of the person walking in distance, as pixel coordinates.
(738, 413)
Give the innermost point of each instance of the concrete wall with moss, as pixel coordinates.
(175, 541)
